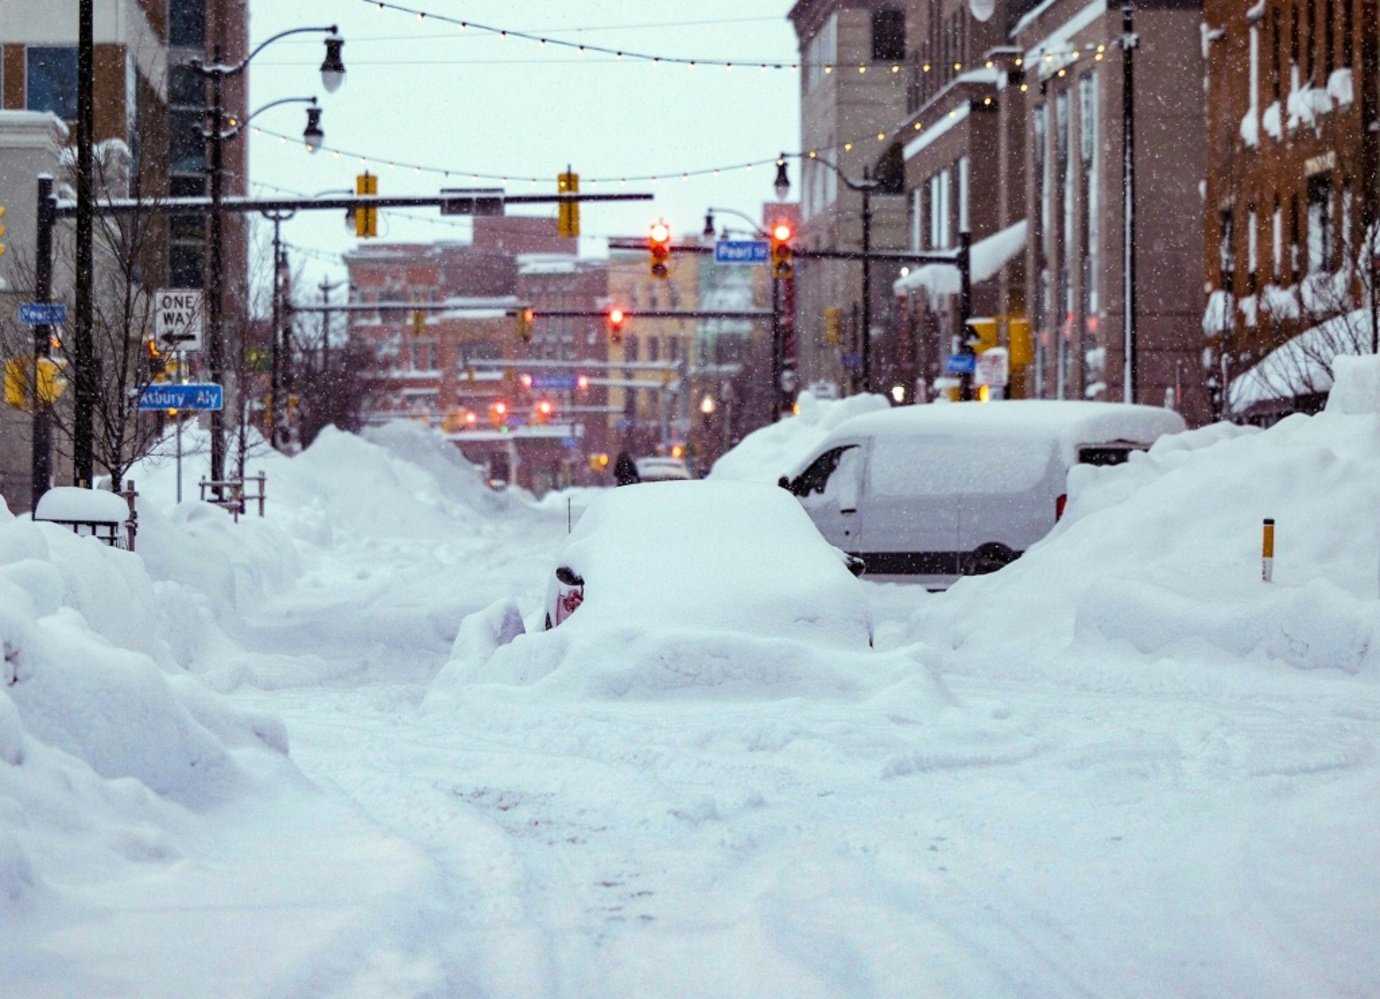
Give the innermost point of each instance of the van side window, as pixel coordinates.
(1105, 454)
(816, 477)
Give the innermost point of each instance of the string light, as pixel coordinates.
(579, 46)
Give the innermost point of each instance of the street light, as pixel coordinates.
(332, 75)
(865, 187)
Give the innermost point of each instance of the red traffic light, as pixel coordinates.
(659, 246)
(781, 253)
(615, 320)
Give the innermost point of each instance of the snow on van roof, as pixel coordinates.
(1071, 422)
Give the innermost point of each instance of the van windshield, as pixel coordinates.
(928, 466)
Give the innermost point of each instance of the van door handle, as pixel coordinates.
(852, 510)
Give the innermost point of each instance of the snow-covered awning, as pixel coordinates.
(986, 258)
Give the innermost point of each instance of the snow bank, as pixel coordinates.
(778, 449)
(103, 738)
(1162, 555)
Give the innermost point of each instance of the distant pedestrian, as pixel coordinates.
(625, 469)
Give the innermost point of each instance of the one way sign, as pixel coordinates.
(177, 318)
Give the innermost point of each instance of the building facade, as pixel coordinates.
(148, 116)
(1291, 196)
(853, 96)
(528, 400)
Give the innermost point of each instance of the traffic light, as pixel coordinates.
(2, 229)
(366, 216)
(541, 413)
(498, 413)
(615, 318)
(981, 334)
(659, 248)
(568, 212)
(781, 253)
(833, 325)
(524, 323)
(157, 362)
(418, 322)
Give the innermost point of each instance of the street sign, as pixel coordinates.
(42, 313)
(850, 361)
(741, 251)
(993, 367)
(553, 381)
(177, 318)
(472, 200)
(170, 395)
(961, 364)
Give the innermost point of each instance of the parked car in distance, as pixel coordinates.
(703, 556)
(661, 469)
(930, 493)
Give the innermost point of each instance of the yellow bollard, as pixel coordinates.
(1267, 550)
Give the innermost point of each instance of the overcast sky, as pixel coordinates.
(425, 92)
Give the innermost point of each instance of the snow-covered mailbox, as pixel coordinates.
(107, 516)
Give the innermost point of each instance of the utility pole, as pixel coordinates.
(43, 338)
(1128, 179)
(83, 351)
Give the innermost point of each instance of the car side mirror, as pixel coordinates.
(568, 576)
(784, 482)
(855, 565)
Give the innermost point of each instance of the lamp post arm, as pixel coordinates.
(742, 215)
(274, 104)
(866, 184)
(235, 69)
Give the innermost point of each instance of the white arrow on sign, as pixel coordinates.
(177, 318)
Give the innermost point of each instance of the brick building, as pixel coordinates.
(467, 369)
(1291, 194)
(148, 111)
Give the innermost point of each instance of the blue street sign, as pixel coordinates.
(42, 313)
(741, 251)
(550, 381)
(961, 364)
(851, 361)
(169, 395)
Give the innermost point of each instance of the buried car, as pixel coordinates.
(706, 556)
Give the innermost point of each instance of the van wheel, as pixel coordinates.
(987, 558)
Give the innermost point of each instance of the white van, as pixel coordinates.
(929, 493)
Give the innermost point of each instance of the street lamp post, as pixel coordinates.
(865, 187)
(332, 75)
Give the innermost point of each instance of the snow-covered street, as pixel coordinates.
(252, 760)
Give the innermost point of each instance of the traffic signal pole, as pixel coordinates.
(43, 334)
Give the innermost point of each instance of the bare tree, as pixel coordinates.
(127, 249)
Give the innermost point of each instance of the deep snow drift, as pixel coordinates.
(263, 758)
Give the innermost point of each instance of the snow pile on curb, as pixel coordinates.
(103, 737)
(1163, 554)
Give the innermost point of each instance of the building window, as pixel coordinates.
(1252, 249)
(1293, 237)
(939, 210)
(888, 35)
(187, 23)
(1276, 67)
(1092, 233)
(1348, 27)
(1312, 26)
(1277, 240)
(963, 194)
(51, 81)
(1226, 252)
(1319, 222)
